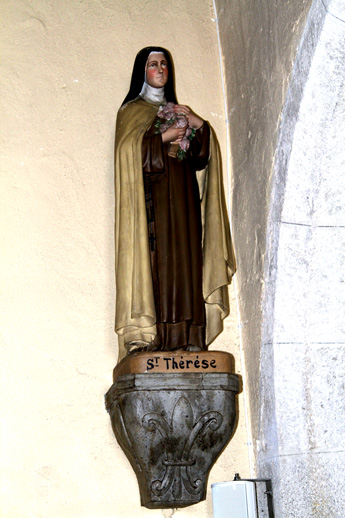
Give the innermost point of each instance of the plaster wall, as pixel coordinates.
(65, 70)
(259, 42)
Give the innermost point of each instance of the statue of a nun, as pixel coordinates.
(174, 258)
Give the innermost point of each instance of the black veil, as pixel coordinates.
(138, 75)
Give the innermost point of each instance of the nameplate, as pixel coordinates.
(175, 362)
(180, 363)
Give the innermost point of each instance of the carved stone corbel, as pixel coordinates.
(172, 418)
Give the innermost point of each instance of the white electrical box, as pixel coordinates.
(234, 500)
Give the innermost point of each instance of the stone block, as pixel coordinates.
(315, 179)
(335, 8)
(310, 294)
(308, 485)
(310, 374)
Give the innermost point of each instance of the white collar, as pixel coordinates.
(151, 94)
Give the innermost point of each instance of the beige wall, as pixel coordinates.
(65, 70)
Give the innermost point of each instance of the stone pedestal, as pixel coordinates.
(172, 418)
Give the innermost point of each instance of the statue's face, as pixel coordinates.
(156, 70)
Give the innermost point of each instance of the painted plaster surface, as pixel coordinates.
(65, 70)
(301, 439)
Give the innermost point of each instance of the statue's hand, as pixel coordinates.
(194, 120)
(173, 134)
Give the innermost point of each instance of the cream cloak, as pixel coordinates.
(135, 316)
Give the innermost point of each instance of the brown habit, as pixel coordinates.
(186, 242)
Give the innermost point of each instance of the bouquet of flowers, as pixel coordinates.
(166, 118)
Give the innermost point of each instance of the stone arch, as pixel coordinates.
(286, 109)
(304, 295)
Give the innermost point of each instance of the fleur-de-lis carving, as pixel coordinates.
(178, 438)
